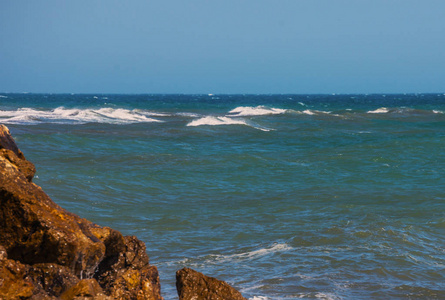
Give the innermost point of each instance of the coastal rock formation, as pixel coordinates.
(193, 285)
(47, 252)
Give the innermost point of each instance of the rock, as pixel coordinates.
(3, 253)
(127, 274)
(36, 230)
(47, 251)
(193, 285)
(52, 278)
(8, 143)
(14, 283)
(85, 289)
(10, 151)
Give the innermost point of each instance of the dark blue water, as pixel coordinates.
(282, 196)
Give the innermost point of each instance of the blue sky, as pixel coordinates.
(204, 46)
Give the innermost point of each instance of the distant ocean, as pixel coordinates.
(282, 196)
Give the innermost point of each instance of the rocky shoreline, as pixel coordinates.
(47, 252)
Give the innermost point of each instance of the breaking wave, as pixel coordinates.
(243, 111)
(215, 121)
(77, 116)
(407, 111)
(381, 110)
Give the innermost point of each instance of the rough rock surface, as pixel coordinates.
(193, 285)
(47, 252)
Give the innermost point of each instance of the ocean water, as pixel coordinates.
(282, 196)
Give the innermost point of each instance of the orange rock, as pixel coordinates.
(46, 251)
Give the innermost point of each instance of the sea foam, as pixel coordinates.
(210, 120)
(256, 111)
(275, 248)
(74, 115)
(381, 110)
(216, 121)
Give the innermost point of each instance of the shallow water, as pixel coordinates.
(282, 196)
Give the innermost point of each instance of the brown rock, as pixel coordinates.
(52, 278)
(193, 285)
(85, 289)
(14, 284)
(3, 253)
(36, 230)
(47, 252)
(128, 274)
(7, 142)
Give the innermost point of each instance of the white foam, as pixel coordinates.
(255, 111)
(216, 121)
(2, 96)
(212, 121)
(438, 112)
(188, 114)
(312, 112)
(151, 113)
(259, 298)
(277, 247)
(381, 110)
(74, 115)
(326, 296)
(308, 112)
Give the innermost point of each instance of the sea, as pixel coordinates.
(282, 196)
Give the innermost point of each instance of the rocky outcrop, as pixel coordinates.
(193, 285)
(47, 252)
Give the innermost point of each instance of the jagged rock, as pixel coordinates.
(14, 284)
(193, 285)
(36, 230)
(85, 289)
(47, 251)
(10, 151)
(127, 274)
(52, 278)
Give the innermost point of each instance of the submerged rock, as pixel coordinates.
(47, 252)
(193, 285)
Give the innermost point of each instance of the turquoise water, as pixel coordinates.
(282, 196)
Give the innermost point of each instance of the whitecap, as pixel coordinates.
(308, 112)
(74, 115)
(2, 96)
(256, 111)
(151, 113)
(312, 112)
(121, 115)
(216, 121)
(381, 110)
(212, 121)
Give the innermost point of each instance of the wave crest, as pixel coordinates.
(215, 121)
(74, 115)
(381, 110)
(244, 111)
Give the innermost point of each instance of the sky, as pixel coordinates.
(210, 46)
